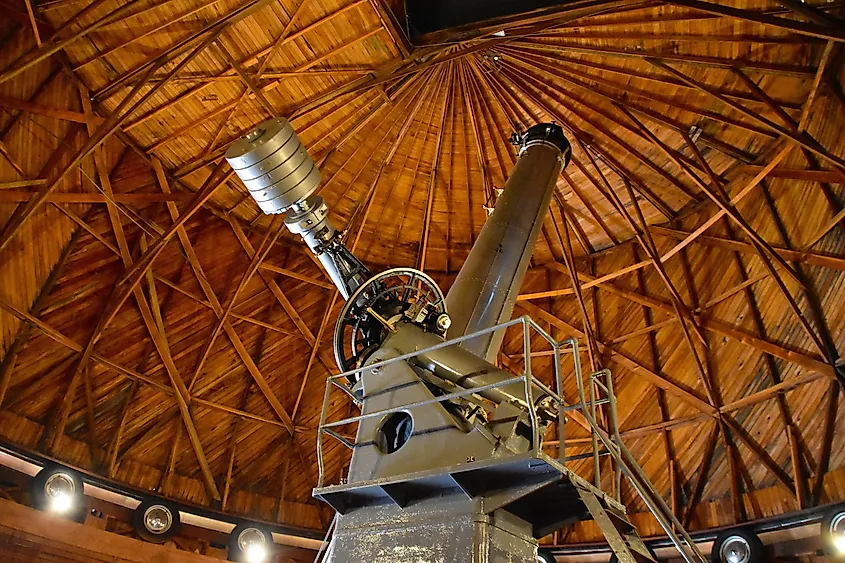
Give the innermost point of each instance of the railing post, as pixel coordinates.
(529, 395)
(320, 468)
(561, 413)
(593, 436)
(616, 436)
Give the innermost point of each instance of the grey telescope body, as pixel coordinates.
(485, 291)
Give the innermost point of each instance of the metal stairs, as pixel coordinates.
(620, 534)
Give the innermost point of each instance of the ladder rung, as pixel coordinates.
(639, 548)
(620, 517)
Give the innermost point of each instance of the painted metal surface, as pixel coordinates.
(485, 291)
(274, 166)
(281, 177)
(440, 530)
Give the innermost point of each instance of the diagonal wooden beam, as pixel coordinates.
(702, 476)
(10, 357)
(130, 374)
(216, 306)
(689, 239)
(388, 21)
(266, 87)
(761, 453)
(675, 469)
(268, 53)
(246, 78)
(102, 53)
(736, 466)
(217, 178)
(55, 43)
(701, 61)
(811, 29)
(828, 431)
(35, 108)
(624, 361)
(432, 182)
(812, 13)
(764, 250)
(105, 130)
(213, 30)
(828, 176)
(277, 292)
(592, 347)
(266, 245)
(722, 328)
(647, 244)
(720, 201)
(151, 315)
(114, 447)
(525, 77)
(800, 138)
(625, 94)
(15, 196)
(801, 256)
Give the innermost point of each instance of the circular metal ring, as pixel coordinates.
(158, 519)
(59, 484)
(250, 537)
(418, 284)
(735, 549)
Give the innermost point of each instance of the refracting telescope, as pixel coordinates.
(447, 461)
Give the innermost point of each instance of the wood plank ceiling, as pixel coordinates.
(158, 331)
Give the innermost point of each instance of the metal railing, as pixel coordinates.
(598, 392)
(529, 384)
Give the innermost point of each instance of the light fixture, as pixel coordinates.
(739, 545)
(833, 530)
(156, 520)
(253, 544)
(735, 549)
(59, 490)
(545, 556)
(256, 553)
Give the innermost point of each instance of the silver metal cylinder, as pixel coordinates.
(485, 291)
(274, 166)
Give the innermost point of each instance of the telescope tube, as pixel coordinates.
(485, 291)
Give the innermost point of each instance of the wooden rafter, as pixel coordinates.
(414, 140)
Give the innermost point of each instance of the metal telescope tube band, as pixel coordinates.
(281, 177)
(485, 291)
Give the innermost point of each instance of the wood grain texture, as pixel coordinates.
(702, 217)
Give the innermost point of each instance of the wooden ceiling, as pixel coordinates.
(159, 332)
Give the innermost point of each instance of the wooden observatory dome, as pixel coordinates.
(158, 332)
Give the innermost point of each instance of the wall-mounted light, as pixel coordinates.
(833, 530)
(156, 521)
(250, 544)
(740, 545)
(545, 556)
(58, 490)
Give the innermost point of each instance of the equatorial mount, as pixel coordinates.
(377, 306)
